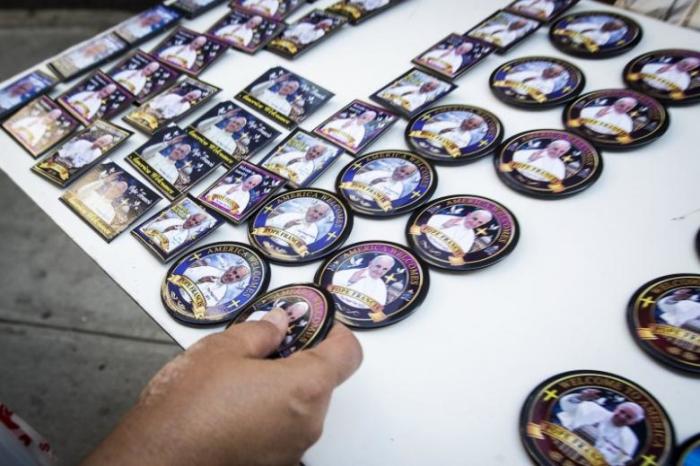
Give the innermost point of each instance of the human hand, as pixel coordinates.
(222, 403)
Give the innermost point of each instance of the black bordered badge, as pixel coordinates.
(463, 232)
(214, 283)
(595, 418)
(40, 125)
(413, 92)
(504, 30)
(688, 454)
(171, 105)
(454, 55)
(664, 318)
(174, 160)
(548, 163)
(246, 31)
(374, 283)
(177, 227)
(109, 199)
(17, 93)
(310, 311)
(241, 191)
(672, 76)
(595, 34)
(617, 119)
(358, 12)
(97, 97)
(537, 82)
(454, 134)
(82, 151)
(300, 226)
(143, 76)
(544, 10)
(386, 183)
(306, 33)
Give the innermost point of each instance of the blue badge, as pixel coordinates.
(300, 226)
(537, 82)
(212, 284)
(374, 284)
(386, 183)
(454, 134)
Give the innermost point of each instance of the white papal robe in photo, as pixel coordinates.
(133, 80)
(347, 131)
(617, 444)
(178, 235)
(79, 153)
(463, 236)
(295, 163)
(269, 7)
(554, 167)
(87, 103)
(307, 232)
(374, 288)
(453, 132)
(678, 313)
(181, 55)
(591, 31)
(273, 99)
(30, 129)
(96, 202)
(236, 199)
(536, 81)
(620, 121)
(169, 106)
(445, 60)
(237, 33)
(670, 80)
(408, 96)
(303, 33)
(382, 181)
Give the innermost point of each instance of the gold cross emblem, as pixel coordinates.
(568, 158)
(481, 231)
(415, 194)
(268, 209)
(647, 302)
(390, 278)
(332, 235)
(550, 395)
(233, 304)
(649, 460)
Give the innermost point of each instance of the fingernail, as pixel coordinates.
(278, 318)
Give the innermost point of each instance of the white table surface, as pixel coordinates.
(445, 386)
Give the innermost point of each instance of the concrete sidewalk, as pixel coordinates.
(75, 351)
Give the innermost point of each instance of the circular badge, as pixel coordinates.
(463, 232)
(548, 163)
(595, 34)
(671, 76)
(617, 119)
(688, 454)
(310, 312)
(454, 134)
(537, 82)
(211, 284)
(386, 183)
(374, 283)
(300, 226)
(664, 318)
(595, 419)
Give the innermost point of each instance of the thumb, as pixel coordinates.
(259, 339)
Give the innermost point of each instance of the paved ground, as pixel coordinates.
(74, 349)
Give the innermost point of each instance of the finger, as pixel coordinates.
(259, 339)
(337, 357)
